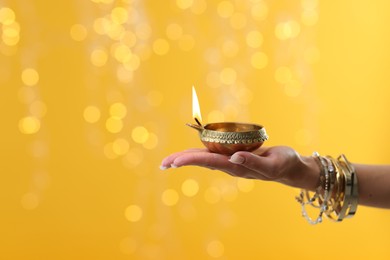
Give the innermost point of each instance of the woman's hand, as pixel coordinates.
(279, 163)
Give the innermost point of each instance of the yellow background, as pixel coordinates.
(93, 96)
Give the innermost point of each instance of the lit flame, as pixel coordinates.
(195, 106)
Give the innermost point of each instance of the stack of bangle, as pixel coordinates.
(337, 193)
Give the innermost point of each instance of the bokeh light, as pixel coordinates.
(170, 197)
(215, 249)
(30, 77)
(29, 125)
(134, 213)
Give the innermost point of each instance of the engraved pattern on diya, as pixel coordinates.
(230, 137)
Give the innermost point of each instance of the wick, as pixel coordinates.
(197, 121)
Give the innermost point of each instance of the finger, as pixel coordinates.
(253, 162)
(215, 161)
(167, 161)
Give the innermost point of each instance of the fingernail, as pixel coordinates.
(163, 167)
(237, 159)
(174, 166)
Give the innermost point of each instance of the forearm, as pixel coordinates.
(373, 185)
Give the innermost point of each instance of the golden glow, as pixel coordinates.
(151, 142)
(287, 30)
(7, 16)
(184, 4)
(216, 116)
(254, 39)
(161, 47)
(190, 187)
(225, 9)
(128, 245)
(186, 42)
(140, 134)
(228, 76)
(293, 88)
(91, 114)
(99, 57)
(259, 11)
(238, 21)
(133, 158)
(29, 125)
(120, 146)
(38, 109)
(195, 106)
(215, 249)
(30, 201)
(118, 110)
(259, 60)
(114, 125)
(212, 195)
(283, 74)
(78, 32)
(30, 77)
(119, 15)
(230, 48)
(133, 213)
(170, 197)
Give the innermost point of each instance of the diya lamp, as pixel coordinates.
(227, 137)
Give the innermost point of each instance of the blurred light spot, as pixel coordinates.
(215, 249)
(228, 76)
(259, 60)
(109, 151)
(186, 42)
(190, 187)
(229, 193)
(114, 125)
(151, 142)
(254, 39)
(30, 201)
(170, 197)
(311, 55)
(133, 158)
(38, 109)
(101, 25)
(118, 110)
(230, 48)
(161, 46)
(212, 56)
(259, 11)
(309, 4)
(309, 18)
(238, 21)
(128, 245)
(41, 180)
(212, 195)
(216, 116)
(231, 111)
(122, 53)
(184, 4)
(293, 88)
(115, 31)
(124, 75)
(30, 77)
(287, 30)
(129, 39)
(213, 79)
(143, 31)
(245, 185)
(7, 16)
(133, 63)
(26, 95)
(91, 114)
(155, 98)
(29, 125)
(99, 57)
(119, 15)
(283, 74)
(199, 7)
(39, 149)
(225, 9)
(133, 213)
(120, 146)
(140, 134)
(10, 33)
(78, 32)
(303, 137)
(174, 31)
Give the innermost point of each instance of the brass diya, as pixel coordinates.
(230, 137)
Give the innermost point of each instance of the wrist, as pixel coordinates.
(305, 174)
